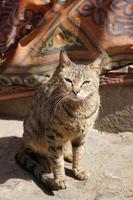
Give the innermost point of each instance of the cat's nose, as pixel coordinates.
(76, 90)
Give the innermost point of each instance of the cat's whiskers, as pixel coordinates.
(56, 98)
(52, 97)
(59, 104)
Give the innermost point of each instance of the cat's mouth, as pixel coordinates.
(75, 97)
(79, 97)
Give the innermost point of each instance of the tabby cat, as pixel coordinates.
(63, 109)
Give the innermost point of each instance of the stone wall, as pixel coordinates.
(116, 112)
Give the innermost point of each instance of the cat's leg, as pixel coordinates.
(57, 161)
(56, 156)
(67, 151)
(77, 147)
(45, 163)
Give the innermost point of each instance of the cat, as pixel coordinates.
(63, 109)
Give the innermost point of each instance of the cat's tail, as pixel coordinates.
(25, 160)
(28, 161)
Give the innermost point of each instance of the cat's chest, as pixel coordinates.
(72, 126)
(78, 127)
(73, 122)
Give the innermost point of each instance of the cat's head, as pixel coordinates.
(78, 81)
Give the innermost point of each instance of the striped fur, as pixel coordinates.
(62, 110)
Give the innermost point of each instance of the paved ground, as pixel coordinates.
(108, 157)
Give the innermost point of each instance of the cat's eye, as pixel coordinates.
(68, 80)
(86, 82)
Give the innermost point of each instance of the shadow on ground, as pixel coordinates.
(7, 162)
(8, 166)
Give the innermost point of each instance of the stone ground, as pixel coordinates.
(109, 157)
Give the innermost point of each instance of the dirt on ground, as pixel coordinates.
(108, 157)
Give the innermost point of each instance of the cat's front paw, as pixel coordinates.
(81, 174)
(62, 183)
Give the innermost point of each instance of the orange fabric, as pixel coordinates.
(94, 25)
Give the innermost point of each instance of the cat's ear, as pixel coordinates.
(102, 63)
(96, 65)
(64, 59)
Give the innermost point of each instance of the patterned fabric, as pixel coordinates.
(32, 33)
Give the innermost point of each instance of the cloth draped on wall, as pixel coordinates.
(32, 33)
